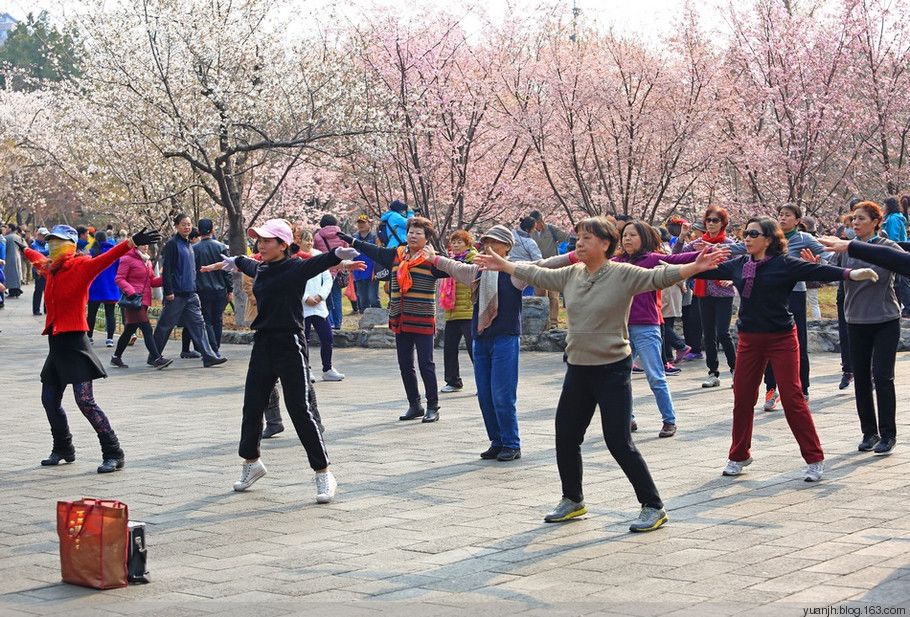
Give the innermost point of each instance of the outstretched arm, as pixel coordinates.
(380, 255)
(461, 272)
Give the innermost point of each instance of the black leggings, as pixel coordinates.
(843, 332)
(52, 397)
(109, 319)
(715, 324)
(873, 350)
(147, 335)
(608, 386)
(454, 331)
(671, 339)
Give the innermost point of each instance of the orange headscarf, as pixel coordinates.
(404, 268)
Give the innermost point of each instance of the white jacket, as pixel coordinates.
(319, 285)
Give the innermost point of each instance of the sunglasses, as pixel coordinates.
(751, 233)
(713, 219)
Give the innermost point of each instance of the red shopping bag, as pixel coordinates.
(93, 542)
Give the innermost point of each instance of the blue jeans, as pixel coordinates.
(334, 305)
(367, 294)
(496, 377)
(647, 344)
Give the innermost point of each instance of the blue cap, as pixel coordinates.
(64, 232)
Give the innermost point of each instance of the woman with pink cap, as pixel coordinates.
(279, 347)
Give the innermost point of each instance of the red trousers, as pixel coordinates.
(781, 350)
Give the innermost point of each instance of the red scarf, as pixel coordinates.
(700, 290)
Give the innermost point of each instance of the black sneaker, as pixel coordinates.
(271, 431)
(190, 355)
(116, 361)
(868, 443)
(490, 453)
(162, 362)
(885, 446)
(212, 362)
(412, 413)
(432, 414)
(509, 454)
(845, 380)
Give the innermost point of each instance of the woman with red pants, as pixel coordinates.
(767, 334)
(71, 359)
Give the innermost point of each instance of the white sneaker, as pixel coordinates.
(325, 487)
(734, 468)
(109, 342)
(713, 381)
(332, 375)
(814, 471)
(447, 389)
(251, 472)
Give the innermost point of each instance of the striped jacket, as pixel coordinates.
(415, 311)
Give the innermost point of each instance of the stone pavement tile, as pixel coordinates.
(893, 592)
(806, 538)
(793, 582)
(845, 564)
(826, 550)
(865, 578)
(820, 594)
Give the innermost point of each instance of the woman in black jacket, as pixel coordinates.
(279, 347)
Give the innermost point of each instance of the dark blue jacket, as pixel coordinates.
(208, 251)
(179, 267)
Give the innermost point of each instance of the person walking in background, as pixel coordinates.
(39, 244)
(12, 269)
(181, 302)
(326, 240)
(315, 310)
(366, 285)
(412, 312)
(895, 225)
(455, 298)
(714, 297)
(599, 295)
(216, 289)
(103, 292)
(548, 239)
(135, 279)
(70, 359)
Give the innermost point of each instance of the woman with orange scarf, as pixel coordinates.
(412, 311)
(715, 298)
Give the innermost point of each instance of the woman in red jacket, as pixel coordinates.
(71, 359)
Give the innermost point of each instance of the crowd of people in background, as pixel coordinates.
(635, 298)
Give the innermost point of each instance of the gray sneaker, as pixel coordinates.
(566, 509)
(649, 519)
(712, 381)
(734, 468)
(814, 471)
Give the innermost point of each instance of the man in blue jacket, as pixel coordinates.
(216, 289)
(181, 302)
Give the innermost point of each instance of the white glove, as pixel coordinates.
(229, 263)
(343, 253)
(864, 274)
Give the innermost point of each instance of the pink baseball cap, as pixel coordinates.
(273, 228)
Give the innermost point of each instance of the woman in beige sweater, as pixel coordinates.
(598, 294)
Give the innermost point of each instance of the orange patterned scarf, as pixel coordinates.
(405, 263)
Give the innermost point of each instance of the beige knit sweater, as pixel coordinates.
(598, 304)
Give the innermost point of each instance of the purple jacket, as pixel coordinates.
(645, 309)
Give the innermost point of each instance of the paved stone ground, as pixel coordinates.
(421, 524)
